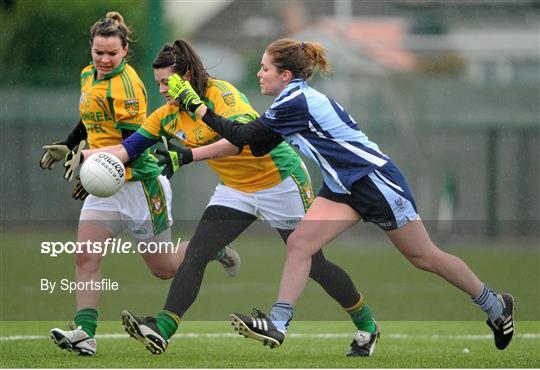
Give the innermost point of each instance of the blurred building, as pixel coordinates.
(442, 76)
(449, 89)
(498, 40)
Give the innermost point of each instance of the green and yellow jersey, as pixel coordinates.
(244, 171)
(116, 102)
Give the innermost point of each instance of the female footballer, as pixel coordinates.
(113, 105)
(360, 182)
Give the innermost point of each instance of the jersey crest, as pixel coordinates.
(228, 98)
(132, 106)
(270, 114)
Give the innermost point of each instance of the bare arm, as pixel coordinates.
(131, 147)
(117, 150)
(221, 148)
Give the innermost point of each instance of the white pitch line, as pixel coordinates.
(292, 335)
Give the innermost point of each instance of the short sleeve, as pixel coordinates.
(227, 101)
(151, 128)
(288, 115)
(130, 105)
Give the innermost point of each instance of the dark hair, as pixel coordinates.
(301, 58)
(112, 25)
(182, 58)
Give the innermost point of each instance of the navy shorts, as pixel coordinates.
(382, 197)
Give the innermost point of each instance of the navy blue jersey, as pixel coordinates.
(323, 130)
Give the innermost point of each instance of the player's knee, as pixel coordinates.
(295, 242)
(87, 261)
(164, 272)
(424, 262)
(298, 245)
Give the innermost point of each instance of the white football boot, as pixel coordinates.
(74, 340)
(363, 343)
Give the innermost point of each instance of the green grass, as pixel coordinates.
(394, 289)
(428, 344)
(405, 301)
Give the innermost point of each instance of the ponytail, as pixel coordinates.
(301, 58)
(182, 58)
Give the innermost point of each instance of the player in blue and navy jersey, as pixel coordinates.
(360, 182)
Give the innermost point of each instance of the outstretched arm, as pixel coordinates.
(260, 138)
(221, 148)
(172, 157)
(130, 148)
(116, 150)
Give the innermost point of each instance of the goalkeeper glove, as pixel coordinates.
(79, 192)
(184, 94)
(73, 160)
(172, 158)
(54, 152)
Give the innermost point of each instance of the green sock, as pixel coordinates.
(87, 320)
(167, 323)
(361, 316)
(220, 254)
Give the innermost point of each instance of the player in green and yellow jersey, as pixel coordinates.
(112, 106)
(275, 187)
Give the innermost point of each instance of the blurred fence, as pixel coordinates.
(483, 139)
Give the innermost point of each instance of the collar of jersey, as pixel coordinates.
(113, 73)
(297, 82)
(294, 83)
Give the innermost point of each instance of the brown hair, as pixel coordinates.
(301, 58)
(183, 58)
(112, 25)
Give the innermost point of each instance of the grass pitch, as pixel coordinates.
(425, 322)
(309, 345)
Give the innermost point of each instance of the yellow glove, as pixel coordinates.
(182, 91)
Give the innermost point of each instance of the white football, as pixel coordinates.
(102, 174)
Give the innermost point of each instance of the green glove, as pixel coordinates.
(54, 152)
(73, 160)
(183, 93)
(172, 158)
(79, 192)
